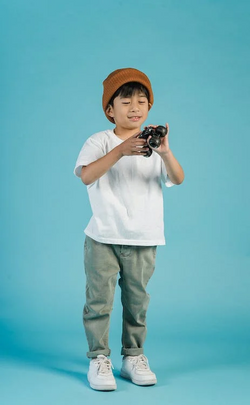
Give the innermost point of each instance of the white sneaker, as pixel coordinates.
(100, 375)
(136, 369)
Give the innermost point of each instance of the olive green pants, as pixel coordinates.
(103, 262)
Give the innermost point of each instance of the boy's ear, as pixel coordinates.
(109, 111)
(149, 105)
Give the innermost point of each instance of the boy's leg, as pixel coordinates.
(138, 264)
(101, 268)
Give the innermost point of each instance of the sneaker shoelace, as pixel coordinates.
(104, 365)
(140, 362)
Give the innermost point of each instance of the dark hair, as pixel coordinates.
(128, 90)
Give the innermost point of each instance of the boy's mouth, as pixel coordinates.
(134, 118)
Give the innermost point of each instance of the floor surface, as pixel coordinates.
(188, 372)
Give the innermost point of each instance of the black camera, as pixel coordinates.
(156, 134)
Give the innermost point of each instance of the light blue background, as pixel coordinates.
(54, 57)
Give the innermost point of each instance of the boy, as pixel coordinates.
(125, 194)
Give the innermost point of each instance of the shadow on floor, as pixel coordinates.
(180, 357)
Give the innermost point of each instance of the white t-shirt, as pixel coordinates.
(127, 201)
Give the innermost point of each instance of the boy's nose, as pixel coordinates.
(134, 107)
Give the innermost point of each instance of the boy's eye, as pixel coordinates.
(125, 102)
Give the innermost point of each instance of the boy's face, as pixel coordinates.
(130, 112)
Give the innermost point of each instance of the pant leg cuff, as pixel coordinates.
(105, 352)
(136, 351)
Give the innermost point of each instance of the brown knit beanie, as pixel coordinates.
(119, 77)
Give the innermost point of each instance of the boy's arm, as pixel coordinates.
(133, 146)
(173, 167)
(92, 172)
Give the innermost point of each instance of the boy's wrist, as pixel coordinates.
(166, 154)
(118, 151)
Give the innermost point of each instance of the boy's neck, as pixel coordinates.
(124, 133)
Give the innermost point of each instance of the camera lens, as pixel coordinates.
(154, 142)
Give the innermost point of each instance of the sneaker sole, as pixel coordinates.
(102, 387)
(138, 382)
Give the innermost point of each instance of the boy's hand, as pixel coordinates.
(134, 146)
(164, 146)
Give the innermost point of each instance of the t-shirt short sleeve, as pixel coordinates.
(91, 151)
(164, 176)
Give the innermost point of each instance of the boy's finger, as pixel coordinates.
(140, 141)
(136, 135)
(149, 139)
